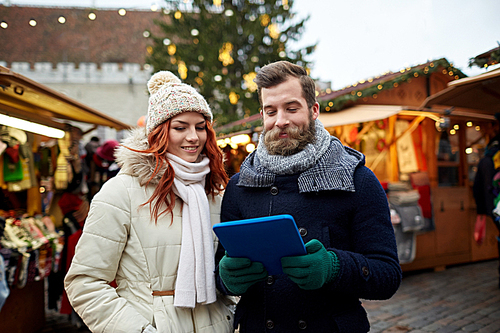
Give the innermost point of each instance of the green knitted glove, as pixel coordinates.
(313, 270)
(238, 274)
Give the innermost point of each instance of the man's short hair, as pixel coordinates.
(278, 72)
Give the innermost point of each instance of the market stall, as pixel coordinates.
(39, 130)
(423, 152)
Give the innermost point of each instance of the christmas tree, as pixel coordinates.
(218, 46)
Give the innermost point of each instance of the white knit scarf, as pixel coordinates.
(195, 276)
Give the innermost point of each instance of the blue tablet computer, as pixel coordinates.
(263, 239)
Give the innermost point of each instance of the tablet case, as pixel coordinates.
(263, 239)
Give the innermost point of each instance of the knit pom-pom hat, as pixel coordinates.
(170, 97)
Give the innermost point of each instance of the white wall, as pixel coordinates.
(120, 93)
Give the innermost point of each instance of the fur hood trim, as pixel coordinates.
(137, 164)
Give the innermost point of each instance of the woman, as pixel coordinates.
(150, 227)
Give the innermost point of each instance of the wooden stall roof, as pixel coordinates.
(358, 114)
(24, 98)
(481, 92)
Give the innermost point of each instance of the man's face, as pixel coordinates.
(288, 122)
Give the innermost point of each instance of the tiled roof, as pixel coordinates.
(108, 38)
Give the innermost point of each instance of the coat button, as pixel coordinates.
(270, 279)
(303, 232)
(269, 324)
(274, 190)
(302, 324)
(365, 271)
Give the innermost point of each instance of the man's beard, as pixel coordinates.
(297, 140)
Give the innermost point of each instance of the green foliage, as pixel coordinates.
(492, 58)
(249, 30)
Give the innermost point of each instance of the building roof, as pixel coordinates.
(26, 99)
(481, 93)
(109, 38)
(338, 99)
(485, 59)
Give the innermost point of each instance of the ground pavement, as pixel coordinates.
(463, 298)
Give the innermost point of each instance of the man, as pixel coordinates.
(340, 209)
(486, 189)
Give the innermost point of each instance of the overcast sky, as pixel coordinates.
(359, 39)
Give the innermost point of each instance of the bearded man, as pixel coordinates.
(339, 207)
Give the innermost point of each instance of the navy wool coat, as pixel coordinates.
(354, 223)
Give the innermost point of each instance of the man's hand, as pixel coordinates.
(238, 274)
(313, 270)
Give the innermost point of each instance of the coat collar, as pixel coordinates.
(137, 164)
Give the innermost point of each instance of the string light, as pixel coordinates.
(225, 54)
(122, 12)
(4, 24)
(32, 23)
(61, 19)
(92, 16)
(233, 97)
(264, 20)
(171, 49)
(251, 85)
(274, 31)
(182, 69)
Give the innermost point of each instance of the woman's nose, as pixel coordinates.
(192, 136)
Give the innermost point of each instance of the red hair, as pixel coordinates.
(215, 182)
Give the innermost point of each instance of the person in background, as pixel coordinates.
(90, 149)
(338, 204)
(102, 166)
(485, 192)
(150, 227)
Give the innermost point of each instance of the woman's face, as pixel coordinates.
(187, 136)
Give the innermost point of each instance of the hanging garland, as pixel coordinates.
(380, 145)
(484, 61)
(381, 124)
(405, 75)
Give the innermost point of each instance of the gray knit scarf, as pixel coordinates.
(289, 165)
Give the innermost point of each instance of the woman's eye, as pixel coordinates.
(201, 128)
(178, 128)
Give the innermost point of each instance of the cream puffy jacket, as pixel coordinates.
(120, 242)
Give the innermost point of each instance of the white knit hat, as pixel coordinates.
(170, 97)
